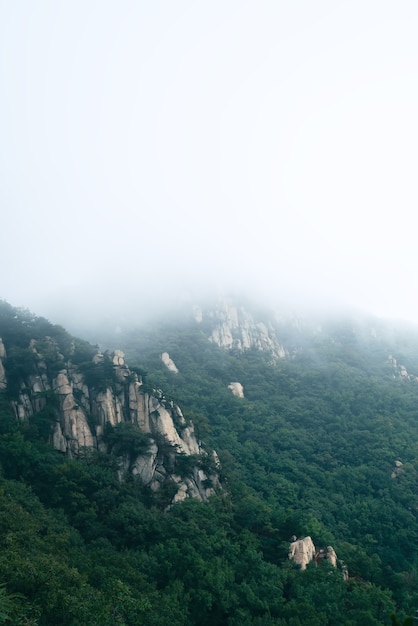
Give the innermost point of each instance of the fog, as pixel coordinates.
(155, 148)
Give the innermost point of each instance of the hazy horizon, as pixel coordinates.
(150, 149)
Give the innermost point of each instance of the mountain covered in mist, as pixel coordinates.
(116, 509)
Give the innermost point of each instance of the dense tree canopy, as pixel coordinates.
(310, 450)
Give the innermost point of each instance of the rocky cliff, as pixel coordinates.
(234, 327)
(101, 404)
(235, 324)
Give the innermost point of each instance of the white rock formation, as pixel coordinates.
(72, 431)
(235, 327)
(145, 465)
(118, 357)
(108, 408)
(401, 370)
(169, 363)
(22, 406)
(83, 413)
(61, 384)
(237, 389)
(139, 407)
(327, 554)
(162, 424)
(302, 551)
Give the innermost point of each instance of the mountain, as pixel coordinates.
(314, 419)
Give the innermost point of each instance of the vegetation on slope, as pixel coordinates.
(309, 450)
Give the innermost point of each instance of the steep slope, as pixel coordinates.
(91, 400)
(326, 436)
(321, 448)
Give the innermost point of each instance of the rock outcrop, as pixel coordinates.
(400, 371)
(303, 551)
(327, 554)
(237, 389)
(233, 327)
(86, 411)
(169, 363)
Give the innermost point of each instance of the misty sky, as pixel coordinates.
(146, 145)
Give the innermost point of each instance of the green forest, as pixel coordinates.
(311, 450)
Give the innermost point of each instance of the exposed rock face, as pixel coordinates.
(84, 413)
(118, 357)
(169, 363)
(400, 370)
(302, 551)
(235, 327)
(237, 389)
(327, 554)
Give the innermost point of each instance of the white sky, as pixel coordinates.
(269, 143)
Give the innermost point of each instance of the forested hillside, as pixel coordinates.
(324, 443)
